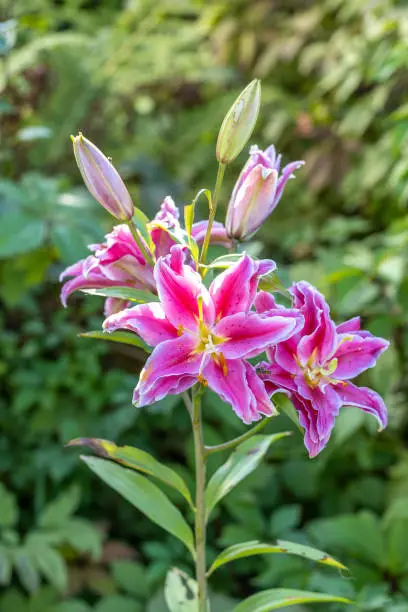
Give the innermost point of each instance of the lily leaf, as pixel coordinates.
(275, 599)
(244, 460)
(138, 460)
(122, 337)
(225, 261)
(124, 293)
(180, 592)
(145, 496)
(255, 547)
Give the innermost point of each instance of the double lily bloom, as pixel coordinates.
(257, 192)
(118, 262)
(206, 335)
(315, 365)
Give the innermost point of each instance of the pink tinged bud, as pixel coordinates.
(239, 123)
(102, 179)
(257, 192)
(252, 202)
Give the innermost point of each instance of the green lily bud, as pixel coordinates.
(239, 123)
(102, 179)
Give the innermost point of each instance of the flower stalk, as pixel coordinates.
(139, 241)
(213, 210)
(236, 441)
(200, 521)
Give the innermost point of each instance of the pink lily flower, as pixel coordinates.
(315, 365)
(118, 262)
(205, 335)
(257, 191)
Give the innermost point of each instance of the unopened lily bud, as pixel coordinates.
(102, 179)
(257, 192)
(239, 123)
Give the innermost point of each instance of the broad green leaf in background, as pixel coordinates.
(275, 599)
(145, 496)
(5, 565)
(244, 460)
(180, 592)
(122, 337)
(8, 508)
(136, 459)
(52, 566)
(20, 233)
(124, 293)
(27, 570)
(61, 508)
(255, 547)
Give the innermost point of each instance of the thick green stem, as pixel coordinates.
(200, 523)
(233, 443)
(213, 210)
(140, 243)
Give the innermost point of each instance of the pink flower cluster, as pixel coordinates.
(118, 262)
(208, 335)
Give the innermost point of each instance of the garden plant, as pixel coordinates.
(228, 325)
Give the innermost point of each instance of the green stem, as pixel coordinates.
(200, 523)
(213, 210)
(139, 241)
(233, 443)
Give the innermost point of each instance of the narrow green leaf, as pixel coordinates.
(122, 337)
(136, 459)
(61, 508)
(52, 566)
(270, 282)
(255, 547)
(188, 222)
(141, 221)
(189, 218)
(145, 496)
(9, 509)
(124, 293)
(26, 569)
(180, 592)
(275, 599)
(5, 566)
(244, 460)
(225, 261)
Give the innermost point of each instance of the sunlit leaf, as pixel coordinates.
(124, 293)
(122, 337)
(136, 459)
(244, 460)
(275, 599)
(180, 592)
(145, 496)
(255, 547)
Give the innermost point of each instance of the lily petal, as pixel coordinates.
(355, 354)
(364, 398)
(352, 325)
(180, 289)
(172, 358)
(232, 387)
(169, 385)
(235, 289)
(147, 320)
(250, 334)
(218, 233)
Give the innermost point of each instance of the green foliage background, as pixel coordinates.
(150, 83)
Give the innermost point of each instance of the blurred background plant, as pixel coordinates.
(150, 83)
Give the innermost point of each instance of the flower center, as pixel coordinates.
(314, 375)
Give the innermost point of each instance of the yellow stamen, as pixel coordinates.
(180, 330)
(223, 364)
(202, 380)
